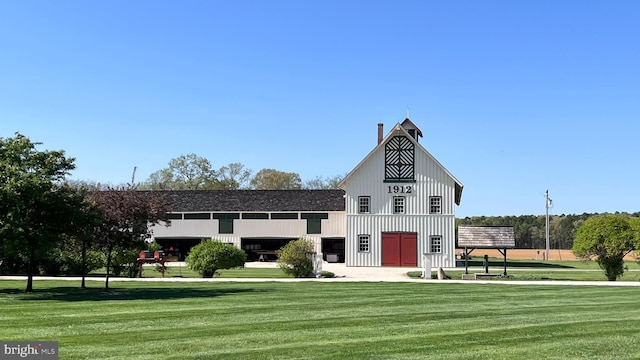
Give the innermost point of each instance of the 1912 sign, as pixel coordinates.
(400, 189)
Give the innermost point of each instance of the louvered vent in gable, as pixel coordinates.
(399, 159)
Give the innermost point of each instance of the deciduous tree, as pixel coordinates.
(36, 208)
(608, 238)
(186, 172)
(233, 176)
(127, 216)
(271, 179)
(320, 182)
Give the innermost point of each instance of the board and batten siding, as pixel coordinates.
(375, 225)
(431, 180)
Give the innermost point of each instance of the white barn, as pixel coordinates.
(396, 204)
(400, 203)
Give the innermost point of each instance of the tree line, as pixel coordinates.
(530, 230)
(193, 172)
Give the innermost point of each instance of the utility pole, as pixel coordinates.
(133, 176)
(547, 203)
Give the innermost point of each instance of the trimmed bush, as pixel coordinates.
(327, 274)
(608, 238)
(295, 258)
(211, 255)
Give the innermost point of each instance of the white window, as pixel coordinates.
(398, 204)
(363, 243)
(435, 205)
(436, 244)
(363, 204)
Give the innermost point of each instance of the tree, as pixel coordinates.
(233, 176)
(212, 255)
(320, 182)
(635, 227)
(70, 258)
(89, 222)
(128, 214)
(86, 185)
(608, 238)
(36, 208)
(294, 259)
(271, 179)
(186, 172)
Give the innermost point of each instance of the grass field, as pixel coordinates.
(174, 271)
(544, 270)
(313, 320)
(518, 269)
(539, 275)
(513, 264)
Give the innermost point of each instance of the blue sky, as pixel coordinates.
(513, 97)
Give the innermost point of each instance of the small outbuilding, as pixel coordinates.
(486, 237)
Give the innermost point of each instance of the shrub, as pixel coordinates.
(294, 259)
(211, 255)
(327, 274)
(72, 262)
(608, 238)
(153, 246)
(69, 262)
(125, 263)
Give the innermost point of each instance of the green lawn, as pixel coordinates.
(313, 320)
(174, 271)
(540, 264)
(544, 270)
(537, 275)
(516, 269)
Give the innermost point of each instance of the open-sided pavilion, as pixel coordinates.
(485, 237)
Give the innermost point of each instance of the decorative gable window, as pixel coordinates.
(399, 159)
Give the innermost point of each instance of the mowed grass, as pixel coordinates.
(320, 320)
(537, 275)
(543, 270)
(542, 264)
(185, 272)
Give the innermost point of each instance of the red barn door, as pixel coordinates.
(390, 249)
(409, 249)
(399, 249)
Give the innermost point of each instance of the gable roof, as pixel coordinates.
(486, 237)
(398, 130)
(255, 200)
(409, 124)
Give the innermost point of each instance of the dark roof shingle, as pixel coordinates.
(255, 200)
